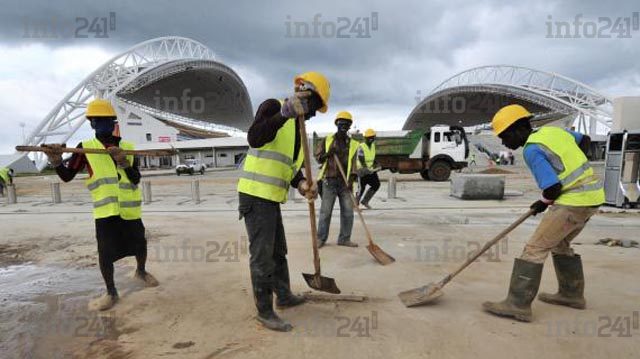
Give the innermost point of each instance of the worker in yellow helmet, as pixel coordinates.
(557, 159)
(272, 165)
(333, 185)
(6, 178)
(113, 183)
(367, 169)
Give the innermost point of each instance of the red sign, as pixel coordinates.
(164, 139)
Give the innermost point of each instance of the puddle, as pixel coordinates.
(41, 305)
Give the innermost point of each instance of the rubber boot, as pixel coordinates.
(570, 282)
(525, 281)
(282, 287)
(263, 296)
(367, 197)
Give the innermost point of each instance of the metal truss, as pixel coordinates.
(105, 82)
(555, 92)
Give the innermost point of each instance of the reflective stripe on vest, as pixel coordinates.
(4, 174)
(369, 154)
(112, 197)
(102, 181)
(267, 171)
(579, 185)
(353, 151)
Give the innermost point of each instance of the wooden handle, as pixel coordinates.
(486, 247)
(312, 210)
(155, 153)
(353, 198)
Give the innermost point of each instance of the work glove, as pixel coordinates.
(540, 206)
(310, 193)
(54, 153)
(296, 105)
(119, 156)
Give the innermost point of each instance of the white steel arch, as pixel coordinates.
(105, 82)
(583, 99)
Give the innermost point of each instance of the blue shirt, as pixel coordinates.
(540, 165)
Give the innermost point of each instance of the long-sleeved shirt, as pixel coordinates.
(541, 166)
(265, 126)
(78, 162)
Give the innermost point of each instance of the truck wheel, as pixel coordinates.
(425, 175)
(190, 171)
(202, 171)
(439, 171)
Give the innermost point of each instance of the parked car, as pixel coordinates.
(190, 167)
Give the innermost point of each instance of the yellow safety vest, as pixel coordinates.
(369, 155)
(4, 174)
(353, 150)
(579, 185)
(112, 192)
(267, 171)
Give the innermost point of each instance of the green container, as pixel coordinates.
(388, 145)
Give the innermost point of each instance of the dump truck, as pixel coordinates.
(434, 153)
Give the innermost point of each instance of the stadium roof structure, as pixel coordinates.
(175, 79)
(473, 96)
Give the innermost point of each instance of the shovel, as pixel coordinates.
(315, 281)
(43, 148)
(433, 291)
(381, 256)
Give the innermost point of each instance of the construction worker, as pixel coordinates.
(556, 157)
(6, 179)
(333, 185)
(113, 183)
(272, 165)
(473, 160)
(367, 173)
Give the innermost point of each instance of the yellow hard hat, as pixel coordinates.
(321, 84)
(369, 133)
(100, 108)
(507, 116)
(345, 115)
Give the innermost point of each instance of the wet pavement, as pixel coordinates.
(41, 306)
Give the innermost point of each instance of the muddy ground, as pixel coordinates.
(204, 308)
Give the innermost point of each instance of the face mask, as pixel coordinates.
(343, 126)
(369, 140)
(103, 128)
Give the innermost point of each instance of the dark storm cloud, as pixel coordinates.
(418, 43)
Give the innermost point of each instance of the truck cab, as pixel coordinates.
(445, 148)
(433, 153)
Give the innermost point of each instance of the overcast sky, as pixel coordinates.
(417, 45)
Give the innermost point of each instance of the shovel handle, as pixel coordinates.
(353, 198)
(486, 247)
(167, 152)
(312, 209)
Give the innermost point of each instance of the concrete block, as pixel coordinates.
(477, 186)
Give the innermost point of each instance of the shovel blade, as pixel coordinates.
(381, 256)
(321, 283)
(420, 296)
